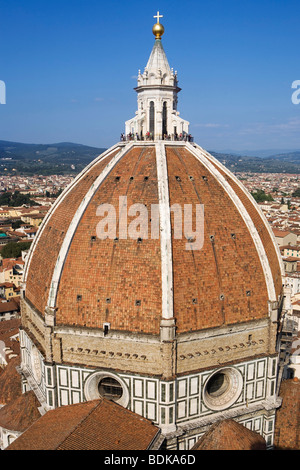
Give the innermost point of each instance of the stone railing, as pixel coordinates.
(150, 137)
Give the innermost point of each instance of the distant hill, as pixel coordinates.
(261, 153)
(281, 163)
(63, 157)
(68, 157)
(67, 152)
(290, 157)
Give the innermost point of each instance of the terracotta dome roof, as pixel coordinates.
(230, 435)
(133, 283)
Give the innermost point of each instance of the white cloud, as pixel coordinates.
(211, 125)
(292, 125)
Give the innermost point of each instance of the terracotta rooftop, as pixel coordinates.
(281, 233)
(9, 263)
(10, 382)
(20, 413)
(287, 425)
(93, 425)
(290, 247)
(9, 327)
(9, 306)
(7, 284)
(230, 435)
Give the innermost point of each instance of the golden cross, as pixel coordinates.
(158, 16)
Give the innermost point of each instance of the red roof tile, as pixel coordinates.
(93, 425)
(230, 435)
(10, 382)
(20, 413)
(287, 424)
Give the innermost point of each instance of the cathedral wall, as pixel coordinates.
(181, 404)
(34, 324)
(224, 345)
(117, 352)
(137, 353)
(261, 422)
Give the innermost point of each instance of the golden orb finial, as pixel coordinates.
(158, 29)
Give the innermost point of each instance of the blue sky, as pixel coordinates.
(70, 68)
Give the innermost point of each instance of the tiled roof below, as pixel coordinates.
(21, 413)
(230, 435)
(10, 306)
(10, 382)
(93, 425)
(287, 425)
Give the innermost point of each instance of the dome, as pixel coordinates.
(155, 281)
(133, 283)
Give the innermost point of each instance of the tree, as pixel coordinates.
(260, 196)
(16, 199)
(296, 193)
(17, 224)
(14, 249)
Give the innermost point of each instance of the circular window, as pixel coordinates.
(218, 384)
(222, 388)
(110, 388)
(106, 385)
